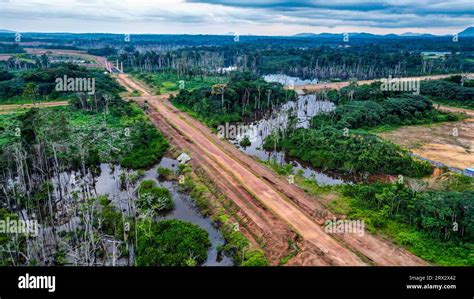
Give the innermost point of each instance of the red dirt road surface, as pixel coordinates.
(276, 208)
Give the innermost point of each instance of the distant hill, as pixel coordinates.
(391, 35)
(416, 34)
(467, 32)
(337, 35)
(362, 34)
(305, 35)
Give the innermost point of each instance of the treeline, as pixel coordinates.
(445, 217)
(403, 110)
(451, 91)
(244, 95)
(349, 152)
(361, 62)
(40, 84)
(10, 48)
(455, 90)
(106, 51)
(39, 143)
(324, 61)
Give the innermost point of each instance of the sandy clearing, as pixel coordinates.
(450, 143)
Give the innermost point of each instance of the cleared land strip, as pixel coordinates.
(270, 198)
(286, 201)
(375, 249)
(8, 108)
(339, 85)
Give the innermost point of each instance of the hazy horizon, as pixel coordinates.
(245, 17)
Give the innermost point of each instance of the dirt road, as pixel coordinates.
(339, 85)
(8, 108)
(265, 197)
(468, 112)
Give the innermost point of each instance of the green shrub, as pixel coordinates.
(255, 258)
(154, 198)
(245, 141)
(171, 243)
(164, 173)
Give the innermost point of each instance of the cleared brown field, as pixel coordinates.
(451, 143)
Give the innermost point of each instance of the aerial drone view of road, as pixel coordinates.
(144, 134)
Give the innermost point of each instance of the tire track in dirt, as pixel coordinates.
(334, 253)
(287, 201)
(375, 249)
(227, 168)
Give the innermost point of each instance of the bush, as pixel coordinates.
(255, 258)
(149, 147)
(154, 198)
(164, 173)
(172, 243)
(112, 223)
(245, 142)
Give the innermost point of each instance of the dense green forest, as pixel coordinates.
(354, 152)
(244, 95)
(438, 226)
(406, 110)
(40, 84)
(450, 92)
(454, 90)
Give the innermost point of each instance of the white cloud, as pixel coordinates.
(255, 17)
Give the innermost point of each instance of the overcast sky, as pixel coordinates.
(257, 17)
